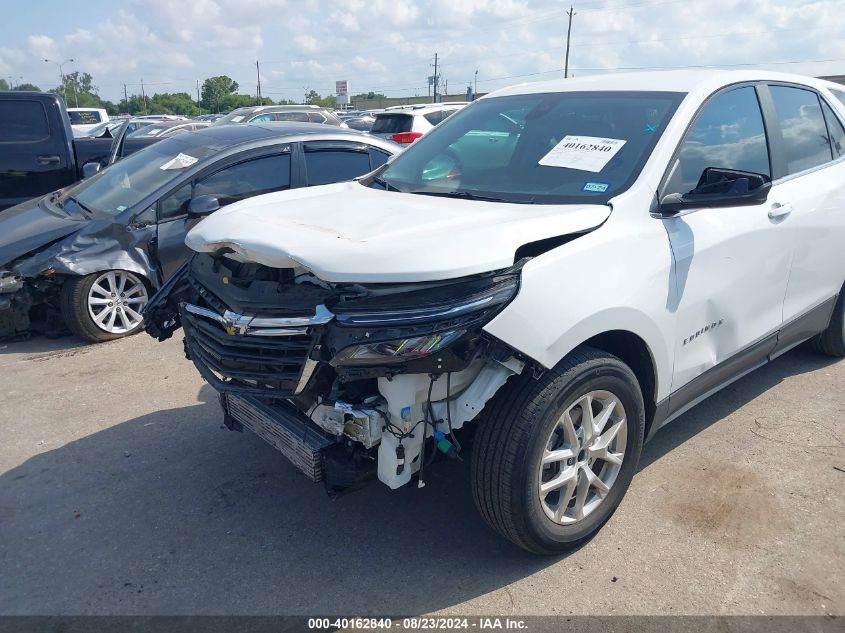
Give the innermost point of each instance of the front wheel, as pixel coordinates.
(831, 342)
(555, 457)
(104, 306)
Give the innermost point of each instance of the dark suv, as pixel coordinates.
(264, 114)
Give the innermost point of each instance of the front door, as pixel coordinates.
(732, 263)
(236, 181)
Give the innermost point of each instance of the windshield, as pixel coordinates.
(392, 123)
(544, 148)
(84, 117)
(129, 181)
(235, 116)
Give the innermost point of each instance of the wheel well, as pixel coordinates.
(633, 351)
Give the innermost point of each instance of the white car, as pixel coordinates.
(405, 124)
(549, 277)
(84, 119)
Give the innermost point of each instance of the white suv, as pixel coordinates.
(405, 124)
(547, 278)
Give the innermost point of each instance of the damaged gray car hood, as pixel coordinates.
(351, 233)
(31, 225)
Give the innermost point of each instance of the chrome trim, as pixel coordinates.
(244, 325)
(305, 376)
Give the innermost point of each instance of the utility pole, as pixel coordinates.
(125, 97)
(446, 88)
(258, 74)
(475, 89)
(198, 96)
(570, 13)
(144, 96)
(435, 78)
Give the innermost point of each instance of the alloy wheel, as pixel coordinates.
(582, 457)
(115, 301)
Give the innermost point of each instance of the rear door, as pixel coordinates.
(808, 202)
(239, 179)
(731, 263)
(34, 157)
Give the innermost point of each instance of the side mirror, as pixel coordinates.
(202, 205)
(719, 188)
(89, 169)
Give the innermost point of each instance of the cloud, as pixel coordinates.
(389, 45)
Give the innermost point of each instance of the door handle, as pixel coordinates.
(779, 211)
(48, 159)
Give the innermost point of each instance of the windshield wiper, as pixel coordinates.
(85, 209)
(387, 186)
(466, 195)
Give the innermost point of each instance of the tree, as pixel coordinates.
(27, 87)
(4, 85)
(368, 96)
(215, 90)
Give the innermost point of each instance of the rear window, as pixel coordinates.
(86, 117)
(23, 122)
(392, 123)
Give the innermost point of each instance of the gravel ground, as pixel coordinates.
(121, 493)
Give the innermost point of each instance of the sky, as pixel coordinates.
(388, 46)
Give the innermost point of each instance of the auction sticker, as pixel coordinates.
(180, 162)
(587, 153)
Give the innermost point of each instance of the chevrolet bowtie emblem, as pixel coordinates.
(231, 330)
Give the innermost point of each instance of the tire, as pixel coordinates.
(831, 342)
(89, 302)
(525, 420)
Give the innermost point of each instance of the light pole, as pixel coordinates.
(12, 81)
(475, 88)
(62, 76)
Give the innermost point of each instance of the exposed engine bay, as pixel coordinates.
(349, 381)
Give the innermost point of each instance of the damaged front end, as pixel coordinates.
(349, 381)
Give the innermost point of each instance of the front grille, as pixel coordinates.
(269, 366)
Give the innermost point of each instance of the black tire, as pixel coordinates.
(831, 342)
(74, 306)
(510, 440)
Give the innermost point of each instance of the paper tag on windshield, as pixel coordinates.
(180, 162)
(587, 153)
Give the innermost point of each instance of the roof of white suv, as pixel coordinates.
(663, 80)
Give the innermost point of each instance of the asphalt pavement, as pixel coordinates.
(122, 493)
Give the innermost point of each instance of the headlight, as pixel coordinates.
(396, 350)
(486, 299)
(417, 322)
(9, 281)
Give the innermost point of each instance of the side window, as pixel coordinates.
(804, 133)
(839, 95)
(267, 116)
(448, 113)
(324, 166)
(292, 116)
(23, 121)
(377, 158)
(247, 179)
(835, 131)
(434, 117)
(728, 134)
(175, 204)
(316, 117)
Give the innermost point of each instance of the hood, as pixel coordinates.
(31, 225)
(351, 233)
